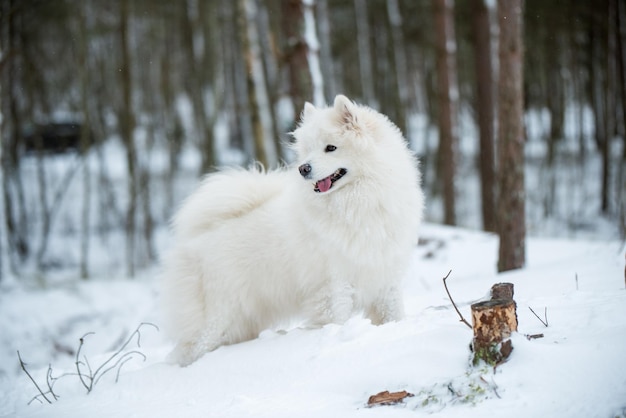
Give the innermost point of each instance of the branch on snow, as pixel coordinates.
(454, 304)
(87, 376)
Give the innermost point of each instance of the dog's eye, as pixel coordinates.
(330, 148)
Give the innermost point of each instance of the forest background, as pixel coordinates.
(164, 92)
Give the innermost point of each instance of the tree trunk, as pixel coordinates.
(295, 51)
(485, 109)
(400, 61)
(195, 86)
(610, 112)
(126, 131)
(365, 52)
(257, 94)
(621, 63)
(234, 69)
(445, 46)
(511, 212)
(326, 56)
(493, 321)
(15, 213)
(83, 72)
(269, 60)
(313, 53)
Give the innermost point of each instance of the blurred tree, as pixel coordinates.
(365, 52)
(193, 40)
(127, 128)
(485, 108)
(83, 72)
(258, 101)
(15, 214)
(511, 196)
(400, 64)
(295, 50)
(447, 103)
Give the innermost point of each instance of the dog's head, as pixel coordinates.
(330, 143)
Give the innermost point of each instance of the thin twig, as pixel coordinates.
(78, 363)
(454, 304)
(23, 365)
(137, 332)
(120, 362)
(50, 382)
(545, 314)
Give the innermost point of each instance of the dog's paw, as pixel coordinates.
(185, 353)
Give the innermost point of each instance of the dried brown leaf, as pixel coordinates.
(388, 398)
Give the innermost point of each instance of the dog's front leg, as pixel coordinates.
(387, 307)
(334, 303)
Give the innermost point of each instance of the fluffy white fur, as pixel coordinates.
(253, 248)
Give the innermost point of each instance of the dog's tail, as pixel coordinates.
(225, 195)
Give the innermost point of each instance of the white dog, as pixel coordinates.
(321, 241)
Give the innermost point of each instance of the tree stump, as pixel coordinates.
(493, 321)
(502, 291)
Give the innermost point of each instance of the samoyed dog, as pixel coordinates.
(325, 239)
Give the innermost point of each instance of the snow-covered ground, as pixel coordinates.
(577, 370)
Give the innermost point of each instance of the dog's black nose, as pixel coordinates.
(305, 170)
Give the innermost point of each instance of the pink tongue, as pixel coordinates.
(324, 184)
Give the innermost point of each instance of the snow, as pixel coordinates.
(575, 370)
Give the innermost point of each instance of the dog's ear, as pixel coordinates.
(308, 110)
(346, 111)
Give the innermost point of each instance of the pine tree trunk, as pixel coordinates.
(326, 56)
(400, 64)
(126, 132)
(365, 52)
(313, 53)
(257, 93)
(511, 211)
(295, 50)
(448, 95)
(485, 109)
(83, 71)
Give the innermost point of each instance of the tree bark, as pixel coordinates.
(83, 71)
(400, 64)
(127, 127)
(195, 86)
(493, 321)
(485, 109)
(295, 51)
(445, 46)
(326, 56)
(511, 211)
(365, 52)
(257, 93)
(313, 53)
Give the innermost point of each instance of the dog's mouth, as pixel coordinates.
(324, 185)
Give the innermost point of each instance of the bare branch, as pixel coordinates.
(23, 365)
(120, 362)
(454, 304)
(545, 315)
(89, 377)
(50, 382)
(82, 376)
(137, 333)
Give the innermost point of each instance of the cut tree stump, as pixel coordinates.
(502, 291)
(493, 321)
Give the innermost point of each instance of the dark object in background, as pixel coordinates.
(57, 137)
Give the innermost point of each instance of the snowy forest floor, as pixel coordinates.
(575, 370)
